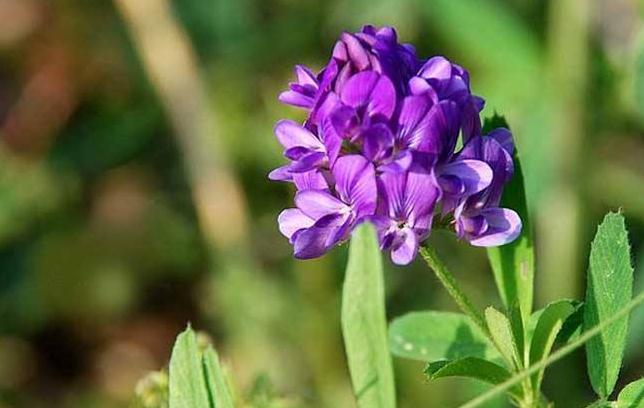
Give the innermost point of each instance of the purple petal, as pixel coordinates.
(392, 191)
(471, 120)
(504, 137)
(400, 162)
(410, 125)
(328, 103)
(311, 180)
(383, 98)
(323, 235)
(504, 226)
(451, 185)
(384, 225)
(490, 151)
(291, 134)
(340, 51)
(475, 175)
(296, 99)
(357, 54)
(318, 203)
(305, 76)
(442, 122)
(378, 142)
(308, 162)
(281, 174)
(421, 194)
(403, 252)
(436, 68)
(473, 226)
(292, 220)
(371, 89)
(356, 183)
(420, 86)
(345, 122)
(342, 77)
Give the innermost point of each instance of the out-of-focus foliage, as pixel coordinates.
(103, 259)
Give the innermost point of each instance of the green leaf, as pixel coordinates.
(470, 367)
(364, 325)
(492, 122)
(218, 389)
(571, 327)
(434, 335)
(609, 288)
(501, 332)
(518, 330)
(632, 396)
(513, 264)
(550, 322)
(187, 382)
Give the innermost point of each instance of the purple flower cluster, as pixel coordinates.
(379, 145)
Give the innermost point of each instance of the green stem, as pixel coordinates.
(449, 282)
(557, 355)
(599, 403)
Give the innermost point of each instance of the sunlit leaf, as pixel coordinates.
(571, 327)
(632, 396)
(187, 383)
(549, 325)
(513, 263)
(364, 324)
(470, 367)
(434, 335)
(609, 288)
(216, 380)
(501, 332)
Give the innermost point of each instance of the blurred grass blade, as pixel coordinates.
(218, 389)
(187, 382)
(549, 325)
(364, 325)
(609, 288)
(632, 396)
(513, 263)
(501, 332)
(434, 335)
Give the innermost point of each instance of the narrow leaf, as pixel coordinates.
(470, 367)
(632, 396)
(609, 288)
(571, 327)
(513, 264)
(501, 332)
(518, 331)
(550, 322)
(364, 325)
(433, 335)
(187, 382)
(218, 389)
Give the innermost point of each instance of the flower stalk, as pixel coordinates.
(453, 288)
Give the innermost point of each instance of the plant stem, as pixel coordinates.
(557, 355)
(449, 282)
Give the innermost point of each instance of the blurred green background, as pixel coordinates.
(135, 139)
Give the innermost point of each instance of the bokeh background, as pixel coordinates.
(135, 139)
